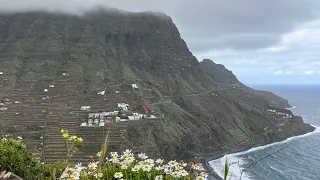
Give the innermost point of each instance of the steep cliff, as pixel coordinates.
(108, 51)
(226, 78)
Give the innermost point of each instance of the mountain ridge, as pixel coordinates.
(108, 52)
(226, 78)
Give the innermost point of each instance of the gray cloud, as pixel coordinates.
(205, 24)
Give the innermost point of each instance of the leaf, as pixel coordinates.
(226, 169)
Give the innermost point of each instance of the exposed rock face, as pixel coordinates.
(226, 78)
(109, 51)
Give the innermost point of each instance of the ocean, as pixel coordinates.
(300, 160)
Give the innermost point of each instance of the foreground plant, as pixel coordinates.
(16, 161)
(130, 166)
(70, 142)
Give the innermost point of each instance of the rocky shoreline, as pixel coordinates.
(214, 176)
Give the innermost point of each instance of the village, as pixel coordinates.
(96, 119)
(280, 113)
(101, 119)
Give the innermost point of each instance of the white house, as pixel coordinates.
(1, 104)
(85, 108)
(84, 124)
(96, 121)
(101, 124)
(96, 115)
(123, 106)
(91, 115)
(133, 118)
(51, 85)
(45, 90)
(114, 113)
(65, 74)
(17, 102)
(3, 108)
(1, 73)
(152, 117)
(101, 93)
(90, 121)
(134, 86)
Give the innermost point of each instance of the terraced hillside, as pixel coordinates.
(110, 50)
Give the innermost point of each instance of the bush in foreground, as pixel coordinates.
(15, 158)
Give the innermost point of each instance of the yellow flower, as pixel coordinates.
(62, 131)
(65, 135)
(73, 138)
(80, 139)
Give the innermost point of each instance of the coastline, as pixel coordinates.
(214, 176)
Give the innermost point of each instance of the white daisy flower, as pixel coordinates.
(78, 167)
(124, 167)
(167, 170)
(149, 161)
(184, 164)
(75, 175)
(142, 156)
(140, 163)
(173, 163)
(159, 168)
(136, 168)
(98, 175)
(127, 151)
(159, 177)
(146, 168)
(159, 161)
(114, 154)
(176, 174)
(204, 174)
(184, 173)
(178, 167)
(114, 159)
(118, 175)
(92, 166)
(129, 159)
(201, 178)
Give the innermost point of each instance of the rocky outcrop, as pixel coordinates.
(104, 50)
(227, 79)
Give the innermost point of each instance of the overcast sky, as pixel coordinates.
(261, 41)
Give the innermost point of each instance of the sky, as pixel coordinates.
(261, 41)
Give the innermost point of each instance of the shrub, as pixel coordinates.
(15, 158)
(54, 170)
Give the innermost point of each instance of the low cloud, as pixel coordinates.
(206, 24)
(250, 37)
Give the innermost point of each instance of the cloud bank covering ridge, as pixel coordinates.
(250, 37)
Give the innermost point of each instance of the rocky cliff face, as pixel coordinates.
(104, 50)
(227, 79)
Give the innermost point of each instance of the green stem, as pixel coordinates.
(67, 149)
